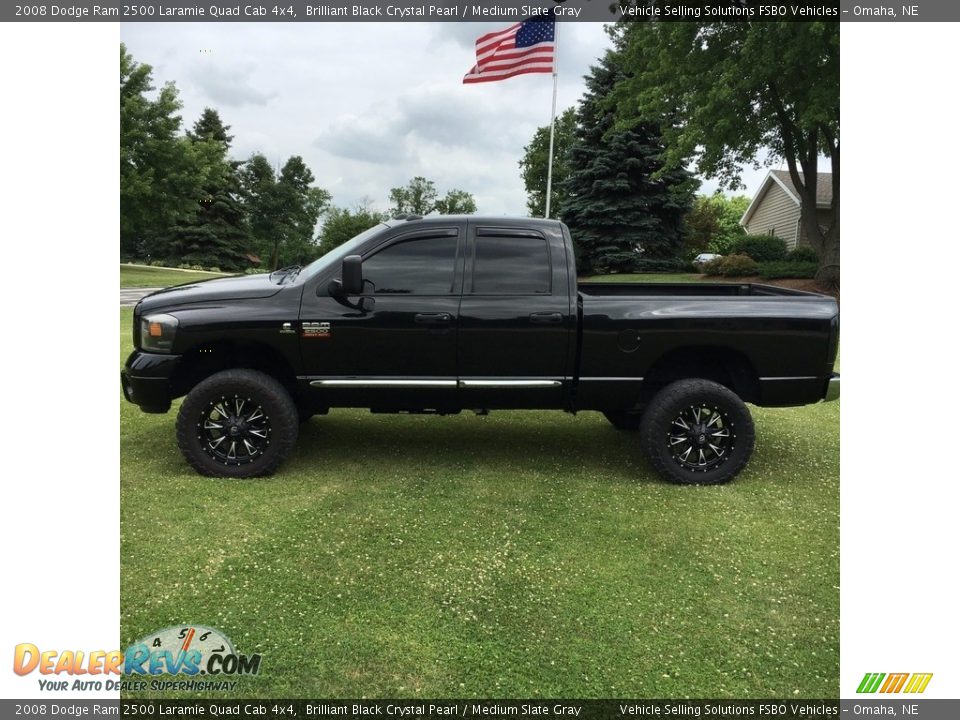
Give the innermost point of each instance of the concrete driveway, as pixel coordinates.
(131, 296)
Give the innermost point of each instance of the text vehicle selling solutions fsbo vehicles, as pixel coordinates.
(444, 314)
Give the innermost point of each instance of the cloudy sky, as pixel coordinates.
(370, 105)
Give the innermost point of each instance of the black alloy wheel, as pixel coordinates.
(697, 432)
(237, 423)
(234, 430)
(701, 438)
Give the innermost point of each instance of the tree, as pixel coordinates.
(733, 90)
(217, 233)
(282, 212)
(456, 202)
(210, 127)
(161, 175)
(258, 183)
(533, 166)
(623, 205)
(714, 222)
(417, 197)
(300, 206)
(341, 224)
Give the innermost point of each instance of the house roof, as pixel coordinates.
(782, 178)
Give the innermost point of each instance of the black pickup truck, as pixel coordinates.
(446, 313)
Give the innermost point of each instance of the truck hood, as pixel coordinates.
(242, 287)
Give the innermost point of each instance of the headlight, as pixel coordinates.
(157, 332)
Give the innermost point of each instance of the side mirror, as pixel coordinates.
(351, 275)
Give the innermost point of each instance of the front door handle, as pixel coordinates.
(546, 318)
(432, 318)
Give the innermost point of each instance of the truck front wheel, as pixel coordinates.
(697, 432)
(238, 424)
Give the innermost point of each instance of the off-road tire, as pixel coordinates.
(658, 430)
(250, 386)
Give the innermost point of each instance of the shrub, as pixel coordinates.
(804, 253)
(762, 248)
(785, 269)
(184, 266)
(253, 271)
(156, 263)
(213, 269)
(731, 266)
(673, 265)
(196, 267)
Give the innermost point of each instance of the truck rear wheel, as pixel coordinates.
(623, 420)
(697, 432)
(238, 424)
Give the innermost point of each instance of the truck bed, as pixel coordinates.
(629, 332)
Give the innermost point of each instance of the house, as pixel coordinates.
(775, 209)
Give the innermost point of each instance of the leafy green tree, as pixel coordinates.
(282, 211)
(734, 90)
(623, 206)
(417, 197)
(300, 205)
(161, 174)
(262, 203)
(714, 222)
(456, 202)
(217, 233)
(533, 166)
(341, 224)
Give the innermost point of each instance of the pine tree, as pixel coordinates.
(619, 211)
(217, 235)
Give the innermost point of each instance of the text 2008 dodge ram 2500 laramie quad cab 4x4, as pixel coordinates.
(446, 313)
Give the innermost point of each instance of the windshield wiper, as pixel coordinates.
(283, 274)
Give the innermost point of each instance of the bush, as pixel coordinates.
(184, 266)
(661, 266)
(785, 269)
(731, 266)
(762, 248)
(253, 271)
(213, 269)
(156, 263)
(196, 267)
(804, 253)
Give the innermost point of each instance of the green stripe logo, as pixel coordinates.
(894, 682)
(871, 682)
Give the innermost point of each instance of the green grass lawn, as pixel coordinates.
(515, 555)
(143, 276)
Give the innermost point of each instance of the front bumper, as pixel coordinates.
(832, 391)
(146, 380)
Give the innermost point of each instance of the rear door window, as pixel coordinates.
(511, 265)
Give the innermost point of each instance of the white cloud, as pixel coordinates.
(370, 105)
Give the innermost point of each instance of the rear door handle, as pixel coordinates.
(546, 318)
(432, 318)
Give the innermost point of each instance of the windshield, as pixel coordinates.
(325, 261)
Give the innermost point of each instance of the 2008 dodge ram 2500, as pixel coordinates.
(446, 313)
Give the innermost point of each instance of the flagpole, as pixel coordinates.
(553, 114)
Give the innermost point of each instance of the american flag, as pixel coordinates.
(526, 47)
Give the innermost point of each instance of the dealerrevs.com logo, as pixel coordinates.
(894, 682)
(182, 650)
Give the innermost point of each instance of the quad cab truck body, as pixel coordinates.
(444, 314)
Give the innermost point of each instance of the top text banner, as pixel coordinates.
(482, 11)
